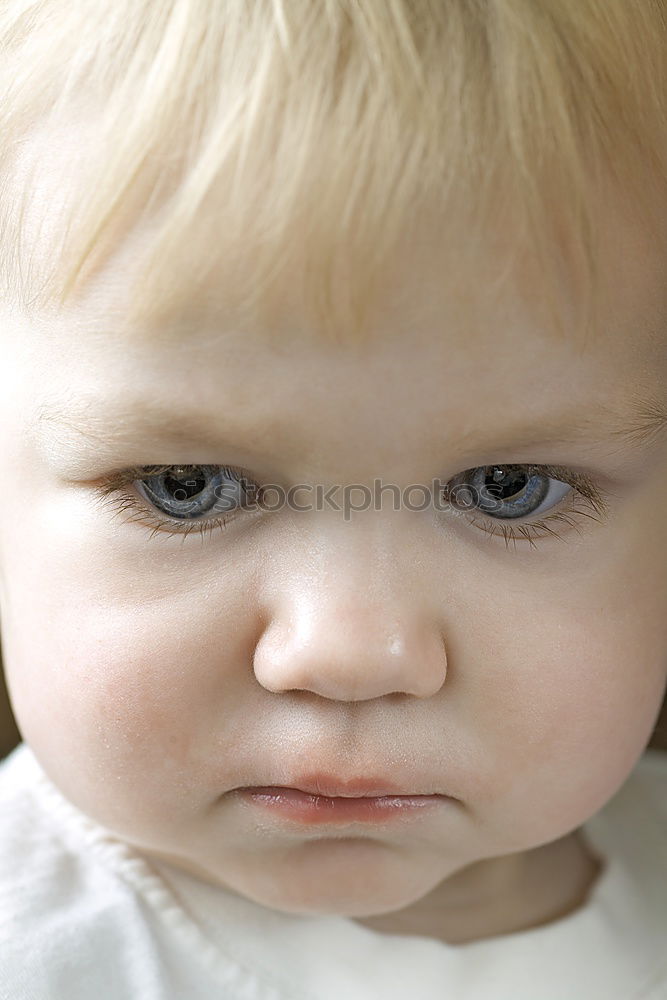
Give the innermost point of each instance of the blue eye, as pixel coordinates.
(200, 497)
(194, 491)
(494, 498)
(505, 492)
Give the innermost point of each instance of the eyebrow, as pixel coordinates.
(137, 422)
(639, 422)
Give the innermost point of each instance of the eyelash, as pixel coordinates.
(112, 490)
(584, 492)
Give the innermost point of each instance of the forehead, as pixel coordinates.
(436, 278)
(465, 350)
(431, 295)
(441, 370)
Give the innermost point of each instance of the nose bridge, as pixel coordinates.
(349, 617)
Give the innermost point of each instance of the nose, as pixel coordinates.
(330, 634)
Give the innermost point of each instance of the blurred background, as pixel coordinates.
(9, 734)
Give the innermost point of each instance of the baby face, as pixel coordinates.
(154, 671)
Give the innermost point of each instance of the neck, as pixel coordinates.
(506, 895)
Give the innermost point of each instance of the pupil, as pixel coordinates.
(186, 486)
(513, 482)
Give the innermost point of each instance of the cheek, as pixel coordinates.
(129, 699)
(572, 691)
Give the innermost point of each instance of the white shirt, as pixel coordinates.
(83, 916)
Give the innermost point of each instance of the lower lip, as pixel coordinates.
(320, 809)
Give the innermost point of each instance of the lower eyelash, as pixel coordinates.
(584, 493)
(120, 502)
(541, 529)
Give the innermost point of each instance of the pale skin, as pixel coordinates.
(151, 676)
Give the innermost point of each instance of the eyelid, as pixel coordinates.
(119, 478)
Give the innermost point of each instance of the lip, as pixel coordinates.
(365, 786)
(312, 809)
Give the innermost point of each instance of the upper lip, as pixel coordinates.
(352, 788)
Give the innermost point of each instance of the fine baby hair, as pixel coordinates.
(356, 117)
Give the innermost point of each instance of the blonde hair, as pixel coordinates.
(271, 142)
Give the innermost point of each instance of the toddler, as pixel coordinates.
(333, 554)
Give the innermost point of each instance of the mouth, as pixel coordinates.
(323, 799)
(302, 807)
